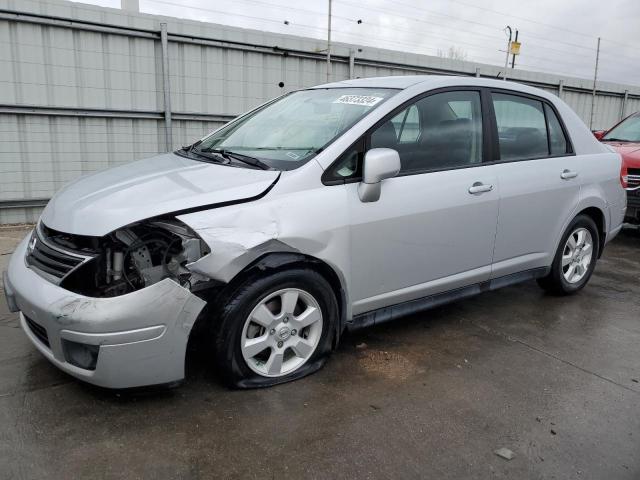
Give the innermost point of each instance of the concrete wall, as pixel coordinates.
(82, 88)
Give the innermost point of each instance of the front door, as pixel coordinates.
(433, 227)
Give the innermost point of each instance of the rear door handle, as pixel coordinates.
(479, 187)
(567, 174)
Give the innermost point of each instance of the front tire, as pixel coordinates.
(575, 258)
(275, 329)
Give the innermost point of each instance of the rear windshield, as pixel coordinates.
(627, 131)
(290, 131)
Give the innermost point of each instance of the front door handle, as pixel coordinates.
(567, 174)
(479, 187)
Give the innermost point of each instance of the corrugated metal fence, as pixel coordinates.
(83, 88)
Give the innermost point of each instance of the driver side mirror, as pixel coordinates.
(599, 134)
(379, 163)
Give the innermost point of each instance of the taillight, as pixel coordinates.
(624, 176)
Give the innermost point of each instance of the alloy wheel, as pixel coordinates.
(577, 255)
(281, 332)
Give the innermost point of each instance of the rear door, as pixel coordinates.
(539, 178)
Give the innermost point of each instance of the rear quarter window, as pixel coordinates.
(558, 143)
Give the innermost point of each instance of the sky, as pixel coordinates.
(557, 36)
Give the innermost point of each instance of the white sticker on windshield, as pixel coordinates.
(364, 100)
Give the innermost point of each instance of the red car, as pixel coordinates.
(625, 138)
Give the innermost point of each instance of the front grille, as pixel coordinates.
(53, 261)
(633, 198)
(39, 331)
(633, 180)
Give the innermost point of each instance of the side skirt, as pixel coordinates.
(393, 312)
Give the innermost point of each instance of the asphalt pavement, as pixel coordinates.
(553, 380)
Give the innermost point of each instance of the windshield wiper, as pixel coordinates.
(311, 149)
(616, 140)
(254, 162)
(216, 158)
(188, 148)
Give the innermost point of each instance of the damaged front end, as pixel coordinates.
(121, 262)
(116, 311)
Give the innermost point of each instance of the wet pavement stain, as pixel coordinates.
(391, 365)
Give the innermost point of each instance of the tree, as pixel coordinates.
(454, 53)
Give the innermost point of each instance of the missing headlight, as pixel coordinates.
(138, 256)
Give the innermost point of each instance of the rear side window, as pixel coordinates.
(522, 129)
(557, 141)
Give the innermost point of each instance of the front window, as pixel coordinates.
(290, 131)
(627, 131)
(437, 132)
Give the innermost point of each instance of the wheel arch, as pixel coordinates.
(276, 261)
(272, 262)
(598, 216)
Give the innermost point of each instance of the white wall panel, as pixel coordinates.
(228, 72)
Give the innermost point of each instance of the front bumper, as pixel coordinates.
(142, 336)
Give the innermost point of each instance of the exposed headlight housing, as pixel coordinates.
(138, 256)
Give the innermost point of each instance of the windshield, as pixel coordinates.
(290, 131)
(627, 131)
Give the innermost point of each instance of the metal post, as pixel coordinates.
(329, 45)
(595, 78)
(506, 60)
(624, 104)
(560, 88)
(352, 64)
(477, 72)
(166, 87)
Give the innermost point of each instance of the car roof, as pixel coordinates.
(411, 86)
(428, 82)
(400, 82)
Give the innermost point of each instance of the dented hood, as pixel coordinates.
(102, 202)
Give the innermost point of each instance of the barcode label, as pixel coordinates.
(364, 100)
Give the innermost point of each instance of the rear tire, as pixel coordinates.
(575, 258)
(274, 329)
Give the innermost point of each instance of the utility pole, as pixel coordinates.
(506, 61)
(595, 78)
(513, 56)
(329, 45)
